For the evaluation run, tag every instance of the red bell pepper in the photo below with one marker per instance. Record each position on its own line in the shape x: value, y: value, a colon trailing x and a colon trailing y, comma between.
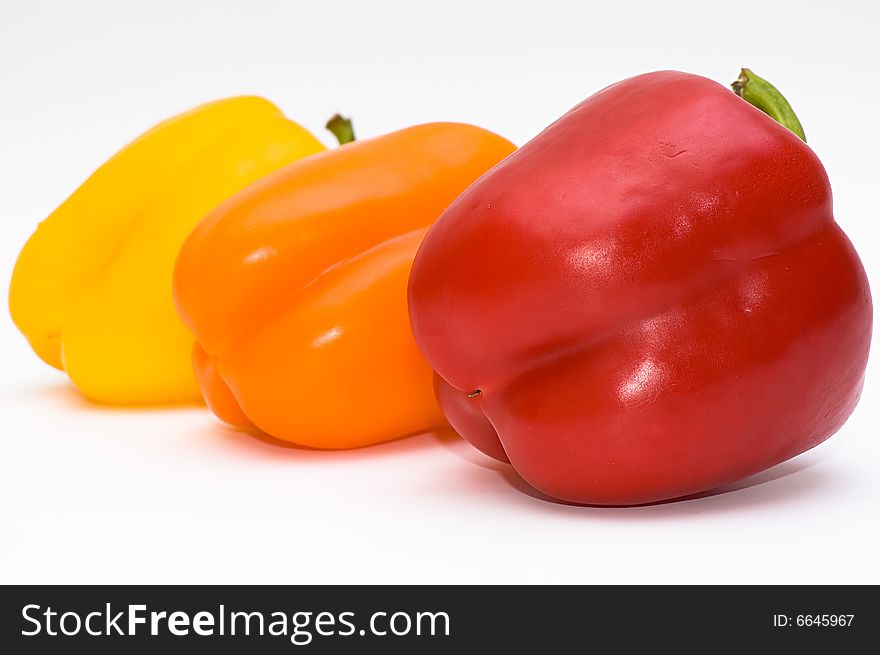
x: 648, y: 300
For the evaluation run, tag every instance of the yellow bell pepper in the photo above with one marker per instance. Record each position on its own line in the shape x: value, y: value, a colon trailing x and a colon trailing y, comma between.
x: 91, y: 289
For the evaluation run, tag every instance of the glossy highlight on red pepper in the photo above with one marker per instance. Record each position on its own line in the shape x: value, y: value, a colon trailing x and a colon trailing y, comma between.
x: 648, y: 300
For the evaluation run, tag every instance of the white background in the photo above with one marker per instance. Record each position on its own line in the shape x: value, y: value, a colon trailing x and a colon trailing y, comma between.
x: 96, y: 495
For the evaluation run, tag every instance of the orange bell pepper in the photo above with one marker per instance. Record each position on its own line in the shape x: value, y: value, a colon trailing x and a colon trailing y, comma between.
x: 296, y: 288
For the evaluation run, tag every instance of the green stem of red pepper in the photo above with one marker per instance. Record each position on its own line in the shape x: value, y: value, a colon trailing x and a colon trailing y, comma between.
x: 341, y: 128
x: 760, y: 93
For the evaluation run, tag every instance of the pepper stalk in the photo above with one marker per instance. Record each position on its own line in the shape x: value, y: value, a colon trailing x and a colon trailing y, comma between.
x: 342, y: 128
x: 759, y: 93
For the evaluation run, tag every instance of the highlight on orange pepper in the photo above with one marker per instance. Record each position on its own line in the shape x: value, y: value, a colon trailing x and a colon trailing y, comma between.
x: 296, y: 288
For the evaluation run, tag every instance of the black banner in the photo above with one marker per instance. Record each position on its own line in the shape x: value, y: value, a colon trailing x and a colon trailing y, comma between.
x: 340, y: 619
